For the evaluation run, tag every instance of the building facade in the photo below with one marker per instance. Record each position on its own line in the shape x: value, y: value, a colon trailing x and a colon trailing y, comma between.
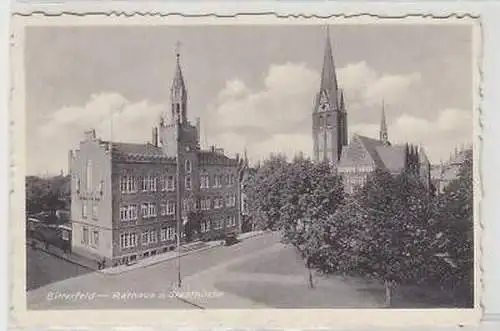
x: 127, y: 199
x: 329, y: 118
x: 364, y: 155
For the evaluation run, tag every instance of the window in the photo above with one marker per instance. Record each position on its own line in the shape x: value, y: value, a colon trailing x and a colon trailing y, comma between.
x: 77, y: 184
x: 205, y: 226
x: 170, y: 183
x: 123, y: 184
x: 152, y: 210
x: 205, y: 204
x: 144, y: 183
x: 231, y: 201
x: 170, y: 208
x: 145, y: 238
x: 230, y: 181
x: 84, y: 210
x: 217, y: 203
x: 128, y: 240
x: 170, y: 233
x: 163, y: 184
x: 144, y: 210
x: 217, y: 181
x: 163, y: 234
x: 85, y: 235
x: 204, y: 181
x: 187, y: 182
x: 218, y: 224
x: 163, y: 209
x: 231, y: 221
x: 95, y: 237
x: 133, y: 212
x: 187, y: 166
x: 94, y: 211
x: 89, y: 175
x: 152, y: 183
x: 153, y: 238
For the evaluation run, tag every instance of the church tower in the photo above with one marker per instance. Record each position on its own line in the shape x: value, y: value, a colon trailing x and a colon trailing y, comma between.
x: 175, y: 131
x: 329, y: 119
x: 383, y: 134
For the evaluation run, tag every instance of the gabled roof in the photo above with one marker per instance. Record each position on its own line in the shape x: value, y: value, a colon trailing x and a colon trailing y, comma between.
x: 391, y: 158
x: 207, y: 157
x: 132, y: 151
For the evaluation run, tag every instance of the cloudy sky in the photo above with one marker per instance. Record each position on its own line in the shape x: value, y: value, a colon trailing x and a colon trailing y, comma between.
x: 252, y: 86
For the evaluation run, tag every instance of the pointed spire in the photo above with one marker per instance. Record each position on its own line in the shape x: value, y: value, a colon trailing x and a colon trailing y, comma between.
x: 342, y: 103
x: 384, y: 137
x: 328, y: 75
x: 178, y: 82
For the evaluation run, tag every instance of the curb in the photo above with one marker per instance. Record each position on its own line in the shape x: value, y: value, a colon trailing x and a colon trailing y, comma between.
x: 160, y: 261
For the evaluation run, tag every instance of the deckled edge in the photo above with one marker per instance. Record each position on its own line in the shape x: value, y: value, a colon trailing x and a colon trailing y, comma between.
x: 478, y: 201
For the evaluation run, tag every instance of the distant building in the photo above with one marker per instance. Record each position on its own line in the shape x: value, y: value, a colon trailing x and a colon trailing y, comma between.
x: 125, y: 199
x: 356, y: 159
x: 445, y: 172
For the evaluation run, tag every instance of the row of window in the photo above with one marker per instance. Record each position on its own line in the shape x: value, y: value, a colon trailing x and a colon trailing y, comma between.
x: 351, y: 170
x: 128, y: 184
x: 130, y: 212
x: 218, y: 181
x: 217, y: 224
x: 90, y: 237
x: 129, y: 240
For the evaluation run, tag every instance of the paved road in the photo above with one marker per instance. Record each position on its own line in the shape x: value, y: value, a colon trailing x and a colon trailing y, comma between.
x: 148, y: 287
x: 43, y: 269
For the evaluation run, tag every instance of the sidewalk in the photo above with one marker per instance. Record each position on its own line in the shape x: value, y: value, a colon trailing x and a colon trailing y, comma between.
x: 193, y: 247
x: 59, y: 253
x: 198, y: 246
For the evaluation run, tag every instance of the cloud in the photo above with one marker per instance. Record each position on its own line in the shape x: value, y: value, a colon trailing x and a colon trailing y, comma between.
x: 278, y: 115
x: 64, y: 128
x: 439, y: 136
x: 363, y: 86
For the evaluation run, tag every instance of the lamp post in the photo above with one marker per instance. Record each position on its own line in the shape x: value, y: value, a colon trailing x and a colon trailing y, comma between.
x: 179, y: 204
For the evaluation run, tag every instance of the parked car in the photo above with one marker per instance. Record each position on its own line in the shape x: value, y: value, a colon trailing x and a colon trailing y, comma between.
x: 231, y: 239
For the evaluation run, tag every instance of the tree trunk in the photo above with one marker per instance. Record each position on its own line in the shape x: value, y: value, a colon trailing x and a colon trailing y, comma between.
x: 388, y: 293
x: 311, y: 282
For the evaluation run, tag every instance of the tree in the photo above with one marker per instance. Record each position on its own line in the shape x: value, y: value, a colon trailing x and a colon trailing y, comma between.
x: 456, y: 232
x: 264, y: 191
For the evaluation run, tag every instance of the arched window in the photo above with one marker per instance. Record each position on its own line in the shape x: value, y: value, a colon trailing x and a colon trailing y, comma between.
x: 89, y: 175
x: 187, y: 166
x: 188, y: 182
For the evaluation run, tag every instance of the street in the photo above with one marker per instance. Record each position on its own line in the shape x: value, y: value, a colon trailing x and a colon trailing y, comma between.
x: 43, y: 268
x: 259, y: 272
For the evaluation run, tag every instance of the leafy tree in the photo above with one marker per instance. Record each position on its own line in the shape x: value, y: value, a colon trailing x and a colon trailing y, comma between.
x: 264, y: 191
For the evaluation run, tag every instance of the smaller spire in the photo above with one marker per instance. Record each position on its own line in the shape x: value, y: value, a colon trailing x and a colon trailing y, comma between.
x: 384, y: 137
x: 342, y: 104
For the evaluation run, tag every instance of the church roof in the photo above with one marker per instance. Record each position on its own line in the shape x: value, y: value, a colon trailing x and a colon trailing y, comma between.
x: 328, y: 75
x: 178, y: 82
x: 211, y: 157
x: 391, y: 158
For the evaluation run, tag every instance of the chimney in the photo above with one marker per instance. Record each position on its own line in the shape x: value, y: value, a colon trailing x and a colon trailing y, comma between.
x: 154, y: 141
x: 90, y: 135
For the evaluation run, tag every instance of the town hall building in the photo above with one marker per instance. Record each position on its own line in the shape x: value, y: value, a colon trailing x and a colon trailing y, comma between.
x: 127, y: 199
x: 357, y: 158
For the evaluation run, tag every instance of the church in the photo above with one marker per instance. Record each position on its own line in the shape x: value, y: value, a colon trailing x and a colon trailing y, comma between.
x: 357, y: 158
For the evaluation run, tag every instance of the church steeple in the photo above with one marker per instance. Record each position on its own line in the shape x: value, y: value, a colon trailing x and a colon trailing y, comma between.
x: 328, y: 75
x: 178, y: 92
x: 384, y: 136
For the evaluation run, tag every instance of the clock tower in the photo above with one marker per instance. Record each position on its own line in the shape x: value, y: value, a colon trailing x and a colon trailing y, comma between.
x: 329, y: 118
